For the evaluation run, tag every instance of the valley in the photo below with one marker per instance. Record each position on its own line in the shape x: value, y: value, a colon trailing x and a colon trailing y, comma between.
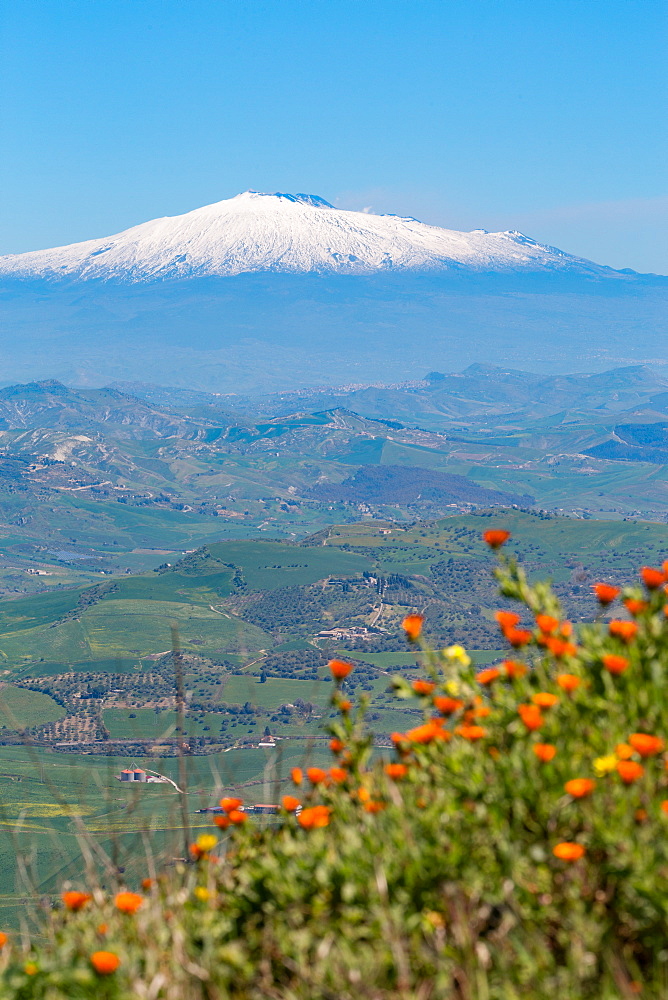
x: 273, y: 532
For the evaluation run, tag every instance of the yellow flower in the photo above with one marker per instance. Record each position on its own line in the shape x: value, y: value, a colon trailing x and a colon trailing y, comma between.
x: 458, y: 654
x: 206, y: 842
x: 452, y: 687
x: 605, y: 765
x: 202, y: 893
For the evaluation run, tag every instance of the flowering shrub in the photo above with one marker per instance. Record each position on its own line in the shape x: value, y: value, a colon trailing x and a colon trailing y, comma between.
x: 514, y: 844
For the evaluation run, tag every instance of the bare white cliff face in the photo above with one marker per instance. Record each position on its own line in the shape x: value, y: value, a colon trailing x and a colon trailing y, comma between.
x: 288, y: 233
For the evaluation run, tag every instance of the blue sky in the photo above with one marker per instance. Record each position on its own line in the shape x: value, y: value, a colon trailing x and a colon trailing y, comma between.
x: 541, y: 115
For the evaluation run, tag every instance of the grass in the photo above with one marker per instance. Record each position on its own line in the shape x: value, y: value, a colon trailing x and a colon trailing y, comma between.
x: 275, y: 691
x: 31, y: 612
x: 46, y: 796
x: 22, y: 708
x: 122, y: 628
x: 114, y: 665
x: 270, y: 565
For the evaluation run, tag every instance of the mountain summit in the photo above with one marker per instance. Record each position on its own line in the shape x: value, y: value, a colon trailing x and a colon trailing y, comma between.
x: 293, y: 233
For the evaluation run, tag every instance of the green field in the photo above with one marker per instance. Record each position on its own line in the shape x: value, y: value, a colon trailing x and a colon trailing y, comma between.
x: 147, y: 724
x: 20, y: 708
x: 269, y: 565
x: 120, y: 628
x: 51, y: 804
x: 275, y: 691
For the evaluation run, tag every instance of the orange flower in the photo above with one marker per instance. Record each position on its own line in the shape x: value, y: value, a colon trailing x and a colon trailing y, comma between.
x: 488, y: 676
x: 495, y: 537
x: 605, y: 593
x: 374, y: 806
x: 290, y: 803
x: 336, y: 745
x: 102, y: 929
x: 544, y: 751
x: 567, y: 851
x: 664, y: 806
x: 629, y: 771
x: 228, y: 805
x: 76, y: 900
x: 363, y: 794
x: 338, y: 774
x: 652, y: 578
x: 104, y: 962
x: 147, y: 883
x: 339, y: 669
x: 222, y: 821
x: 640, y: 816
x: 428, y: 732
x: 615, y: 664
x: 398, y: 738
x: 646, y: 745
x: 423, y: 687
x: 635, y: 607
x: 546, y: 623
x: 623, y: 751
x: 345, y: 705
x: 518, y: 637
x: 530, y: 716
x: 447, y: 706
x: 626, y: 631
x: 412, y: 625
x: 396, y: 771
x: 316, y: 775
x: 560, y: 647
x: 514, y: 669
x: 297, y: 775
x: 128, y: 902
x: 568, y: 682
x: 580, y: 788
x: 471, y: 733
x: 237, y: 817
x: 315, y: 817
x: 481, y: 712
x: 506, y: 619
x: 3, y: 939
x: 544, y: 699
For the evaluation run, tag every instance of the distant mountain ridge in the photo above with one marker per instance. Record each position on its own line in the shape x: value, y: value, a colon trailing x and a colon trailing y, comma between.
x: 256, y: 232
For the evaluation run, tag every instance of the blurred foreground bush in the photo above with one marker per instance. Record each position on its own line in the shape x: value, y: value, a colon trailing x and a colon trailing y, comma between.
x: 514, y: 846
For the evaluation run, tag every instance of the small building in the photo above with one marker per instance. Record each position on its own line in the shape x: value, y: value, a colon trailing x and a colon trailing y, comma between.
x: 133, y: 774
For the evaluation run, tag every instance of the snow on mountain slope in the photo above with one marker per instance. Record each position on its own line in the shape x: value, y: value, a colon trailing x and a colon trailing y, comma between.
x: 291, y: 233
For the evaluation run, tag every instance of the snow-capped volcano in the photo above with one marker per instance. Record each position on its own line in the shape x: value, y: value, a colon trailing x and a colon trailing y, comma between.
x: 288, y: 233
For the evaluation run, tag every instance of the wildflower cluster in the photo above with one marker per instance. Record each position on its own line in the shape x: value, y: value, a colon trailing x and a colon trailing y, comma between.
x: 512, y: 842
